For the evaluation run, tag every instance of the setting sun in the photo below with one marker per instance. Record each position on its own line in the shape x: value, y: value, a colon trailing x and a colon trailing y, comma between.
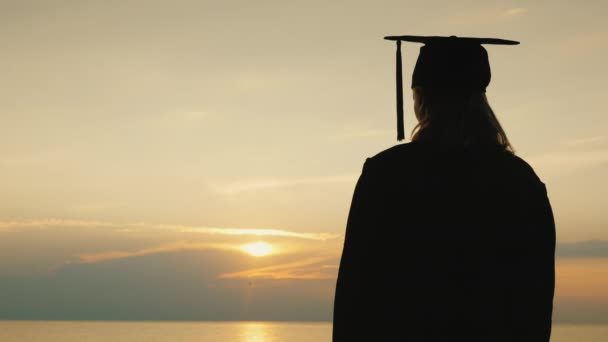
x: 257, y: 249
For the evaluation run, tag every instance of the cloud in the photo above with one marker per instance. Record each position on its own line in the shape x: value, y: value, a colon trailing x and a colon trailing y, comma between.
x: 369, y: 133
x: 312, y: 268
x: 45, y: 246
x: 584, y: 141
x: 583, y: 249
x: 180, y: 285
x: 566, y: 161
x: 363, y: 133
x: 261, y: 232
x: 163, y: 277
x: 168, y: 248
x: 137, y: 227
x: 358, y: 129
x: 273, y: 183
x: 482, y: 15
x: 515, y: 11
x: 16, y: 225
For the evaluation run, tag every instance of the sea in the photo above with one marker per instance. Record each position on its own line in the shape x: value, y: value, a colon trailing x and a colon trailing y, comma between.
x: 94, y: 331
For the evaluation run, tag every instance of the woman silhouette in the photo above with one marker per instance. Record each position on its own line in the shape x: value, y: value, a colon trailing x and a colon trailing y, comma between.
x: 449, y: 237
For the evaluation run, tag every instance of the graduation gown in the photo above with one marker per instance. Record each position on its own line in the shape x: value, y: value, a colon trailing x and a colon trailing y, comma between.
x: 446, y: 246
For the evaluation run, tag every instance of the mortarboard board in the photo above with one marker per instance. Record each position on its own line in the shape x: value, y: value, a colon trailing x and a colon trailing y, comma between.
x: 446, y: 63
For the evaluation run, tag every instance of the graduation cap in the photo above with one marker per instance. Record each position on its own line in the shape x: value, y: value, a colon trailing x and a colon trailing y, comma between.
x: 446, y: 63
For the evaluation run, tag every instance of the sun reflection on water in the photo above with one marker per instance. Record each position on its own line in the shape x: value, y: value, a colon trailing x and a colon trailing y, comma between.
x: 256, y: 332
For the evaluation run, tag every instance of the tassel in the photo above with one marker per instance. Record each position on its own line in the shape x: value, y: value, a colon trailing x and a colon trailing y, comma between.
x: 400, y: 129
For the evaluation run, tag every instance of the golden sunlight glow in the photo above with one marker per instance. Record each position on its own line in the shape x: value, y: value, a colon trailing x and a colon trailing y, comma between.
x: 257, y: 249
x: 255, y: 332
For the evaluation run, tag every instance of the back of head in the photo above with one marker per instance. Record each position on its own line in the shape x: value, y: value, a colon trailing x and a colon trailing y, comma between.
x: 457, y: 119
x: 449, y: 82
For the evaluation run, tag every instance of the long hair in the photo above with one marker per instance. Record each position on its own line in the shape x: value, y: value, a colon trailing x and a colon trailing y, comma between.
x: 457, y: 118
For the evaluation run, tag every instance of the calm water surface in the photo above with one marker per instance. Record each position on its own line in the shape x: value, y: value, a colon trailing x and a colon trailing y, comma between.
x: 35, y: 331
